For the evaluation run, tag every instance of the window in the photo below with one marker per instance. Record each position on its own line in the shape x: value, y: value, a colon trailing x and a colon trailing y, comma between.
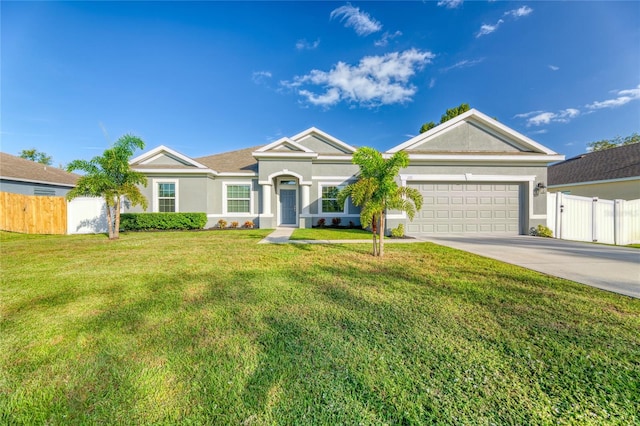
x: 166, y: 197
x: 330, y: 200
x: 238, y: 198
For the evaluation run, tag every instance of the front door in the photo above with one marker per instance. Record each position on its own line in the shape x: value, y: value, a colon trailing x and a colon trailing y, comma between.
x: 288, y: 207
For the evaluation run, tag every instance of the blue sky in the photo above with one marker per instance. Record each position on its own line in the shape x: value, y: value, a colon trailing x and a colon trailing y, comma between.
x: 208, y: 77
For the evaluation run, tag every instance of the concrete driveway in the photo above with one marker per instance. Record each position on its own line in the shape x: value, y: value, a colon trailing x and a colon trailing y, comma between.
x: 611, y: 268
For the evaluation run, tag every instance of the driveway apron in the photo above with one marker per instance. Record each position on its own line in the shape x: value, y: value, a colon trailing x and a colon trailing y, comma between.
x: 611, y: 268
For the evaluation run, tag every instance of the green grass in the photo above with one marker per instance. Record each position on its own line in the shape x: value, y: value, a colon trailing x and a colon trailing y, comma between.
x: 634, y: 246
x: 330, y: 234
x: 212, y: 328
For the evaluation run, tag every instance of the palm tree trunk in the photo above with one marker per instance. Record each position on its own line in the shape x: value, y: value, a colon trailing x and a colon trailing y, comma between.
x: 116, y: 213
x: 109, y: 219
x: 381, y: 250
x: 373, y: 232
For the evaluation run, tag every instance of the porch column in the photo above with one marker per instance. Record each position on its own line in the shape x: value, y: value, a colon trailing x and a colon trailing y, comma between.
x: 305, y: 198
x: 266, y: 198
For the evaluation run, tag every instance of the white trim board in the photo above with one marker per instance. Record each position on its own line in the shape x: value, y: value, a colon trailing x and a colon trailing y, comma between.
x: 595, y: 182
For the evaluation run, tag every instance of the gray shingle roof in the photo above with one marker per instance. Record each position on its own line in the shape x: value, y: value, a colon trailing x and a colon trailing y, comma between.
x: 240, y: 161
x: 613, y: 163
x: 16, y: 168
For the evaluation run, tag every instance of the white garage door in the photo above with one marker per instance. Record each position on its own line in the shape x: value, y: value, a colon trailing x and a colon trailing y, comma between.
x: 467, y: 208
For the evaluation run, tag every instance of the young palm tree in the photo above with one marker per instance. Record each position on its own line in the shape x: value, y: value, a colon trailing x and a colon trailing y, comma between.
x: 110, y: 177
x: 377, y: 191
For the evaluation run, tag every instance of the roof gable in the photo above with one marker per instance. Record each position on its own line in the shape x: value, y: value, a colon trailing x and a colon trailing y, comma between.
x: 164, y: 157
x: 285, y: 145
x: 614, y: 163
x: 472, y: 132
x: 308, y: 143
x: 16, y: 168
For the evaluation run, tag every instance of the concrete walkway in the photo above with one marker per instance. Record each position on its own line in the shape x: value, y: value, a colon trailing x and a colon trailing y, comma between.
x: 611, y: 268
x: 280, y: 236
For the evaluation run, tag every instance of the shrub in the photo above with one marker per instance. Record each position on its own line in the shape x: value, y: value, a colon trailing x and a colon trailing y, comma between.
x: 161, y: 221
x: 222, y: 224
x: 398, y: 232
x: 234, y: 224
x: 248, y: 224
x: 336, y: 221
x: 351, y: 224
x: 321, y: 223
x: 543, y: 231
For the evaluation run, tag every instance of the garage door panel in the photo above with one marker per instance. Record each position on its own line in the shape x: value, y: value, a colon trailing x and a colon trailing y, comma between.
x: 462, y: 207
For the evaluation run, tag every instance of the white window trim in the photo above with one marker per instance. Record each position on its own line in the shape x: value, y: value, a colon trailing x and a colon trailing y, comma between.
x: 224, y: 198
x: 339, y: 185
x: 156, y: 199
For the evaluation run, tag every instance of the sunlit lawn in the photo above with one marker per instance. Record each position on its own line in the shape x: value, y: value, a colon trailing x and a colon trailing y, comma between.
x: 212, y: 328
x: 331, y: 234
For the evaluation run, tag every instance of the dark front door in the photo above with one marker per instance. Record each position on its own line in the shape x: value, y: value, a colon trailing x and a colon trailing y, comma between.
x: 288, y: 207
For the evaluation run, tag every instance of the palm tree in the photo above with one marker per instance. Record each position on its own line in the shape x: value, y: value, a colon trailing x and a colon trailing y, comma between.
x: 110, y: 177
x: 377, y: 191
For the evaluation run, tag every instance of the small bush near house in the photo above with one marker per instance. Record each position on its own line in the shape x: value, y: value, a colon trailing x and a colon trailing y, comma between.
x: 222, y: 224
x: 398, y: 232
x: 351, y: 224
x: 249, y: 224
x: 234, y: 224
x: 321, y: 223
x: 336, y: 221
x: 161, y: 221
x: 543, y: 231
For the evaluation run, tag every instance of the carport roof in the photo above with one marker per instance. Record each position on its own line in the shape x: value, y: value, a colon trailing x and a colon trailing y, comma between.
x: 608, y: 164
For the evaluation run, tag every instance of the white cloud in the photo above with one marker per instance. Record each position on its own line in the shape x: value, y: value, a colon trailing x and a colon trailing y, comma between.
x: 624, y: 96
x: 553, y: 67
x: 539, y: 132
x: 375, y: 81
x: 260, y: 77
x: 450, y: 4
x: 514, y: 13
x: 432, y: 83
x: 361, y: 22
x: 538, y: 118
x: 519, y: 12
x: 386, y: 37
x: 527, y: 114
x: 488, y: 29
x: 463, y: 64
x: 307, y: 45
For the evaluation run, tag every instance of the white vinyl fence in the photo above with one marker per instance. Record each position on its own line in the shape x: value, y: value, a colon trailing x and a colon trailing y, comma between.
x: 571, y: 217
x: 86, y: 215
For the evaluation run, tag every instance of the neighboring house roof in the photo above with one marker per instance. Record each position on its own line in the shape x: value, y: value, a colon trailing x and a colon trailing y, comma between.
x: 19, y: 169
x: 609, y: 164
x: 232, y: 162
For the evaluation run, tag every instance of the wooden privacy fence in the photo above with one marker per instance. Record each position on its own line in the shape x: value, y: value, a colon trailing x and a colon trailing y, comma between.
x: 593, y: 219
x: 33, y: 214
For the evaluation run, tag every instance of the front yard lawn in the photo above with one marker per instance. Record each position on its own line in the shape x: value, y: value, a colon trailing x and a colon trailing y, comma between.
x: 331, y: 234
x: 212, y: 328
